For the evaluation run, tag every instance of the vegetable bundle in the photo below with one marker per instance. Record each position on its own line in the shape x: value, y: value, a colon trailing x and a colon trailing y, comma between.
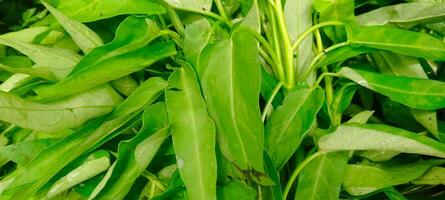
x: 223, y: 99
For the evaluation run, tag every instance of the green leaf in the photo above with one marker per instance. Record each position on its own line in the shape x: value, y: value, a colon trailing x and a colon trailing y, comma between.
x: 202, y: 5
x: 96, y: 163
x: 434, y: 176
x: 59, y: 61
x: 362, y: 179
x: 92, y: 10
x: 85, y: 139
x: 23, y: 152
x: 413, y: 92
x: 26, y: 35
x: 397, y: 40
x: 237, y: 190
x: 106, y: 70
x: 125, y: 85
x: 131, y: 34
x: 342, y: 100
x: 134, y: 155
x: 56, y: 116
x: 196, y: 37
x: 289, y: 124
x: 232, y: 98
x: 340, y: 54
x: 399, y: 65
x: 404, y: 14
x: 321, y: 178
x: 335, y: 10
x: 354, y: 136
x: 362, y: 117
x: 17, y: 66
x: 273, y: 192
x: 84, y: 37
x: 193, y: 134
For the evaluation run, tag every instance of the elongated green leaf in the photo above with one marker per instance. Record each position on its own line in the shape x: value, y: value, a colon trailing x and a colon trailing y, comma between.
x: 321, y: 178
x: 197, y: 35
x: 125, y: 85
x: 404, y: 14
x: 134, y: 155
x: 56, y: 116
x: 399, y: 65
x: 23, y: 152
x: 16, y: 81
x: 362, y: 179
x: 106, y: 70
x: 19, y: 65
x: 92, y: 10
x: 131, y: 34
x: 85, y: 139
x: 362, y: 117
x: 26, y: 35
x: 398, y: 41
x: 341, y: 54
x: 204, y: 5
x: 59, y: 61
x: 354, y: 136
x: 232, y: 98
x: 92, y: 167
x: 434, y: 176
x: 193, y: 134
x: 342, y: 100
x: 289, y: 124
x: 413, y: 92
x: 273, y: 192
x: 84, y: 37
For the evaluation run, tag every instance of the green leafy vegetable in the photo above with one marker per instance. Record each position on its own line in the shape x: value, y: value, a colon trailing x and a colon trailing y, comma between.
x: 194, y: 147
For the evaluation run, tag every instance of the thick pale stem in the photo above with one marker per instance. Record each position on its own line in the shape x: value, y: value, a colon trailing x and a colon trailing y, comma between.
x: 312, y: 29
x: 286, y: 44
x: 221, y: 10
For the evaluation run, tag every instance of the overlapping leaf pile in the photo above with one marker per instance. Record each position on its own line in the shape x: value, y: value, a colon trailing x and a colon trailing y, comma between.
x: 223, y: 99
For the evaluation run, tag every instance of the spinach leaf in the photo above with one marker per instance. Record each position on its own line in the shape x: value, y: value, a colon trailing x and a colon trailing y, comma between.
x: 134, y: 155
x: 289, y: 124
x: 91, y: 10
x: 354, y: 136
x: 56, y: 116
x: 232, y: 98
x: 413, y: 92
x: 84, y: 37
x: 362, y: 179
x: 193, y: 134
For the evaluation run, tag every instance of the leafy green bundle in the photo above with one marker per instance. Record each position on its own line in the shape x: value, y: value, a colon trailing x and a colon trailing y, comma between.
x: 223, y: 99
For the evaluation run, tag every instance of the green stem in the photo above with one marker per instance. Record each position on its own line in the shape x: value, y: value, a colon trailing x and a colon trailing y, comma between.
x: 264, y: 42
x: 328, y: 80
x: 321, y: 56
x: 312, y: 29
x: 269, y: 60
x: 322, y: 77
x: 297, y: 171
x: 277, y: 45
x: 221, y: 10
x: 271, y: 98
x: 171, y: 34
x: 208, y: 14
x: 176, y: 21
x: 286, y: 43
